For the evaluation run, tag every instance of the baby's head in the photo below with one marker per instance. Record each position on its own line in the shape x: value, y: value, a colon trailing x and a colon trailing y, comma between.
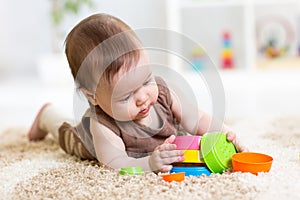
x: 110, y: 67
x: 100, y: 45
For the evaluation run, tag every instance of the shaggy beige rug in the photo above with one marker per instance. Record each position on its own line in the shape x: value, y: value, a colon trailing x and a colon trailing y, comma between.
x: 41, y: 170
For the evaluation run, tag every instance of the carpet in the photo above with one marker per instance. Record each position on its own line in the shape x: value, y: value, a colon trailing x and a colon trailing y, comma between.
x: 41, y: 170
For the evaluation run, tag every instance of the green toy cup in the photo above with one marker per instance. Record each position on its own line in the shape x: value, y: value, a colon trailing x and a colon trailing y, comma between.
x: 217, y: 151
x: 137, y: 170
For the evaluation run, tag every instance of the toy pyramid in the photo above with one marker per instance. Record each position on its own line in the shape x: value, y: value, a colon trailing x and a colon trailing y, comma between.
x: 193, y: 164
x: 226, y: 53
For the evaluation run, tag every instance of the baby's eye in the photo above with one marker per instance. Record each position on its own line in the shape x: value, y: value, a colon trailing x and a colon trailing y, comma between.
x: 148, y: 81
x: 126, y: 98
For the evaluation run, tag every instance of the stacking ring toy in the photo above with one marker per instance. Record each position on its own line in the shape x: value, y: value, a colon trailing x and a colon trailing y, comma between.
x: 217, y: 151
x: 131, y: 170
x: 187, y: 164
x: 191, y: 171
x: 174, y: 177
x: 192, y: 156
x: 187, y: 142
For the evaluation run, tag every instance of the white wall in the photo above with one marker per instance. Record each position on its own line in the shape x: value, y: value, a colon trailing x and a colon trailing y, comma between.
x: 26, y: 27
x: 25, y: 33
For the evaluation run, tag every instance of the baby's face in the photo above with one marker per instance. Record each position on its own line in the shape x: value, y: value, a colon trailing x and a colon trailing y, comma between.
x: 131, y: 94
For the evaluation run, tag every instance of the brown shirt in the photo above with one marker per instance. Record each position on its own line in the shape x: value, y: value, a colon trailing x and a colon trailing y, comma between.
x: 139, y: 140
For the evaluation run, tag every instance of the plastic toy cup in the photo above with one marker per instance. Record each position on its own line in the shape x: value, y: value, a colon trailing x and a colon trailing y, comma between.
x: 174, y: 177
x: 217, y: 151
x: 187, y: 142
x: 131, y: 170
x: 251, y: 162
x: 191, y: 171
x: 187, y: 164
x: 192, y: 156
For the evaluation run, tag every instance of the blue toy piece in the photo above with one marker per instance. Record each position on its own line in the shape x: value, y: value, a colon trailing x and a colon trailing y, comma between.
x: 191, y: 171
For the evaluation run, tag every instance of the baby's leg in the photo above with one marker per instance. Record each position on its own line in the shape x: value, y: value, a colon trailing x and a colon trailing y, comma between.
x: 48, y: 120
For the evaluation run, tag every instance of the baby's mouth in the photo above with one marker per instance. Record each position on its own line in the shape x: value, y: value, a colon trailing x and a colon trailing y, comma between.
x: 145, y: 111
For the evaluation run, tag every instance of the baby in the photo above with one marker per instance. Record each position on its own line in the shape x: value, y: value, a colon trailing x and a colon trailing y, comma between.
x: 133, y: 116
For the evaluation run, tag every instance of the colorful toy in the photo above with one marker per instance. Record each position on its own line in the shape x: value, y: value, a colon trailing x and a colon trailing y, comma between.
x: 251, y: 162
x: 187, y: 164
x: 216, y: 155
x: 272, y: 50
x: 197, y: 60
x: 137, y: 170
x: 275, y: 35
x: 192, y: 156
x: 226, y: 53
x: 217, y: 151
x: 187, y: 142
x: 191, y: 147
x: 174, y: 177
x: 191, y: 171
x: 193, y: 164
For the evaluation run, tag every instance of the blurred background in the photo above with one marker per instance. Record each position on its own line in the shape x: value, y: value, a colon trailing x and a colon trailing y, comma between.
x: 255, y: 45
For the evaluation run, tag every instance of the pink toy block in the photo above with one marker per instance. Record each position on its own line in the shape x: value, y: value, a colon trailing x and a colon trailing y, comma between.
x: 187, y: 142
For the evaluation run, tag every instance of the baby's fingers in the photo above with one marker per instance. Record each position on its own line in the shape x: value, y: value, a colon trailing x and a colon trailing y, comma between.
x: 170, y: 160
x: 239, y: 146
x: 166, y: 168
x: 167, y: 147
x: 170, y: 139
x: 230, y: 136
x: 168, y: 154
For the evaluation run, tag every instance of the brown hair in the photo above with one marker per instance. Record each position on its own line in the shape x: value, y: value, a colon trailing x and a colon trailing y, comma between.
x: 100, y: 45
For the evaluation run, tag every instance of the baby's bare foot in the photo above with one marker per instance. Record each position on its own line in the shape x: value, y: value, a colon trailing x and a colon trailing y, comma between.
x: 35, y: 133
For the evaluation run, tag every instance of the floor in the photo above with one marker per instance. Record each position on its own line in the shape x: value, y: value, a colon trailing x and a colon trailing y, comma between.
x: 22, y: 96
x: 266, y: 93
x: 247, y: 94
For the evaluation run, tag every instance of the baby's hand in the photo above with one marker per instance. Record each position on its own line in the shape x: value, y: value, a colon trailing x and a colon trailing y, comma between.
x: 164, y: 155
x: 231, y: 136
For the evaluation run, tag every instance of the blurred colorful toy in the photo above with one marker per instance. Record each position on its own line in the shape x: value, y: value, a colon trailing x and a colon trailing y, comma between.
x: 272, y: 50
x: 197, y: 60
x: 251, y: 162
x: 226, y: 52
x: 275, y: 35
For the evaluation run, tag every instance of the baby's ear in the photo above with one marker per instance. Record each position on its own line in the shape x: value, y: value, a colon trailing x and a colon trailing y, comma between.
x: 90, y: 96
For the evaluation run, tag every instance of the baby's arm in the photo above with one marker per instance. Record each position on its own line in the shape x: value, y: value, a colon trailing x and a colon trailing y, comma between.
x: 110, y: 151
x: 202, y: 122
x: 194, y: 120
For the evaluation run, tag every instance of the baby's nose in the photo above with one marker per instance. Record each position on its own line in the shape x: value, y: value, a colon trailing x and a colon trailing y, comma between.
x: 141, y: 97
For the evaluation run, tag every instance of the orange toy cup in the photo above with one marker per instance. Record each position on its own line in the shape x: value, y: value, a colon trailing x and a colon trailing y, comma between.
x: 174, y: 177
x: 251, y: 162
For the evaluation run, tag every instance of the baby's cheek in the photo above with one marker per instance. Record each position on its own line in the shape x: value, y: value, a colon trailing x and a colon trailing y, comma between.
x: 154, y: 92
x: 122, y: 112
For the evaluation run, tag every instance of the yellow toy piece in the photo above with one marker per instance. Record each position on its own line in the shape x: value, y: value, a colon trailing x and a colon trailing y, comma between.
x: 192, y: 156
